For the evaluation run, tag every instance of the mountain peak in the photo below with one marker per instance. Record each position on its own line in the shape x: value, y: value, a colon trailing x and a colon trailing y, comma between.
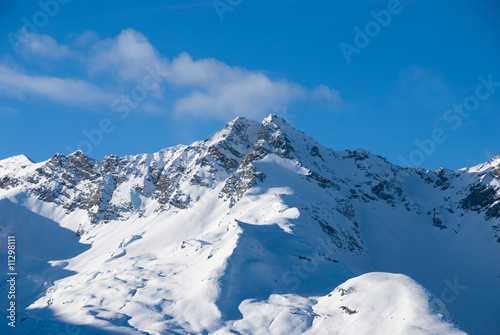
x: 14, y: 164
x: 19, y: 159
x: 78, y: 153
x: 492, y: 164
x: 254, y: 210
x: 495, y: 159
x: 238, y: 130
x: 275, y: 119
x: 240, y: 120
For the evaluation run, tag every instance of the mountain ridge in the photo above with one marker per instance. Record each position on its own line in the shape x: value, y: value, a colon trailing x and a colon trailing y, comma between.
x: 244, y: 214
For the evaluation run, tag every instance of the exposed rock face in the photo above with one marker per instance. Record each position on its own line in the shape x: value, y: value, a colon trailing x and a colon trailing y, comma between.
x: 480, y: 197
x: 118, y: 186
x: 257, y: 212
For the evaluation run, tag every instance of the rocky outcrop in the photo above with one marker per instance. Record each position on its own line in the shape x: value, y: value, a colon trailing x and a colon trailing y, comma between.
x: 227, y: 162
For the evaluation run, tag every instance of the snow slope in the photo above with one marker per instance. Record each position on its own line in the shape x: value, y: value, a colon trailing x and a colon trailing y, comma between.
x: 374, y: 303
x: 259, y: 230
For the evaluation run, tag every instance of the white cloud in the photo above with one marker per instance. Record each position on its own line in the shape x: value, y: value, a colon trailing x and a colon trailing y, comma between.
x: 223, y: 91
x: 329, y: 97
x: 44, y: 46
x: 204, y: 87
x: 201, y: 73
x: 59, y: 90
x: 128, y: 54
x: 87, y: 38
x: 210, y: 87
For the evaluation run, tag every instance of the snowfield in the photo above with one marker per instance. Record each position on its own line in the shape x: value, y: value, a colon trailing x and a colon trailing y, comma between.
x: 256, y: 230
x: 374, y: 303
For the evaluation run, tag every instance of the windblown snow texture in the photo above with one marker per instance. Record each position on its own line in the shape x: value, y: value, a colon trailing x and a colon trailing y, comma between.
x: 256, y: 230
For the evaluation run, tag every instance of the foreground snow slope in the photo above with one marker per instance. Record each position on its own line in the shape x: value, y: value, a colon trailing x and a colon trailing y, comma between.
x: 374, y: 303
x: 250, y: 231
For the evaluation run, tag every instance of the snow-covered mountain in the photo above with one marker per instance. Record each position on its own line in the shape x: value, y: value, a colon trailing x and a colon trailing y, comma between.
x: 256, y: 230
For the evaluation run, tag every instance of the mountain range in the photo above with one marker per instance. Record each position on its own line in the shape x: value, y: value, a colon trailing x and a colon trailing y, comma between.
x: 257, y: 229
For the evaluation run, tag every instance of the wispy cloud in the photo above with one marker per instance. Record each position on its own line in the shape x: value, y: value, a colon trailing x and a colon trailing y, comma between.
x: 426, y: 87
x: 58, y: 90
x: 222, y: 91
x: 9, y: 111
x: 204, y: 87
x: 126, y: 55
x: 45, y: 46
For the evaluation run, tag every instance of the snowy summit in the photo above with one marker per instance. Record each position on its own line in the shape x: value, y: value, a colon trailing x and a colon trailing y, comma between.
x: 257, y: 229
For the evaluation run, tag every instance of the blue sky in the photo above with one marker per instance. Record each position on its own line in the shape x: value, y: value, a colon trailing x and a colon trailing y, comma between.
x: 417, y: 82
